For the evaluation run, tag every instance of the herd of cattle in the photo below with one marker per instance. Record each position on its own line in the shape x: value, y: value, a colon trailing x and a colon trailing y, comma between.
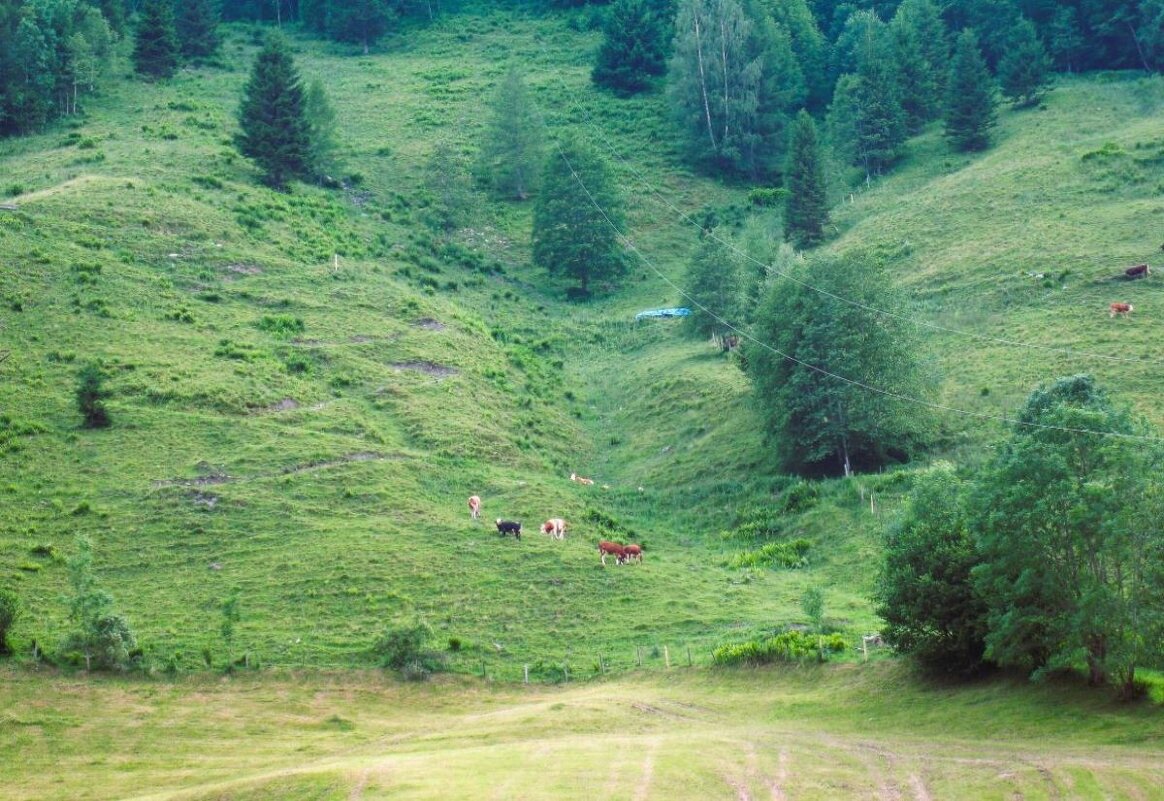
x: 556, y: 527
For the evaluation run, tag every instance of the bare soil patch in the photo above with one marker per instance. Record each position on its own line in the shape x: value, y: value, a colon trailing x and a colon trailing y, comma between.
x: 430, y: 368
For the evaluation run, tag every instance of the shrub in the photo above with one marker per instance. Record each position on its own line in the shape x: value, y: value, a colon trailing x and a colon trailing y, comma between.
x: 283, y: 324
x: 9, y: 611
x: 791, y: 646
x: 402, y: 648
x: 791, y: 554
x: 91, y: 394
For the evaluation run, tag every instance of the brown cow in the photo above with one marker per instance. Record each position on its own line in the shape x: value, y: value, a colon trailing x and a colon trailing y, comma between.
x: 634, y: 553
x: 555, y: 527
x: 474, y: 507
x: 580, y: 480
x: 1120, y: 308
x: 607, y: 548
x: 1139, y: 271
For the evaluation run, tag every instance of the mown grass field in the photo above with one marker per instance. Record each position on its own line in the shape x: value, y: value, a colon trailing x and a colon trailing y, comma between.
x: 307, y: 387
x: 867, y: 732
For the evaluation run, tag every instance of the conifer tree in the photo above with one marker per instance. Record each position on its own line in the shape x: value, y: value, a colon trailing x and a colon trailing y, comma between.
x: 1024, y: 70
x: 634, y: 47
x: 806, y: 209
x: 155, y: 48
x: 275, y: 130
x: 922, y: 51
x: 511, y: 152
x: 578, y: 214
x: 321, y: 124
x: 197, y: 26
x: 970, y: 96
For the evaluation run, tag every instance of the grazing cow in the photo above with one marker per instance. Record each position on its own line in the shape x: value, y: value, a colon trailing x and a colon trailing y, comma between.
x: 634, y: 553
x: 1120, y: 308
x: 1139, y: 271
x: 555, y: 527
x: 729, y: 343
x: 607, y: 548
x: 509, y: 527
x: 474, y: 507
x: 580, y: 480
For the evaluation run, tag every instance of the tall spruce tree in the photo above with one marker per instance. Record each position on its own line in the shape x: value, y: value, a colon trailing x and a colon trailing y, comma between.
x: 970, y: 96
x: 806, y: 209
x: 634, y: 47
x: 922, y: 51
x: 197, y: 26
x: 155, y: 45
x: 321, y: 124
x: 576, y: 216
x: 1024, y: 69
x: 275, y: 129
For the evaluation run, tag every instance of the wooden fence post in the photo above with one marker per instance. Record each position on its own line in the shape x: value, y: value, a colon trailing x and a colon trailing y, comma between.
x: 689, y: 662
x: 527, y: 674
x: 667, y: 656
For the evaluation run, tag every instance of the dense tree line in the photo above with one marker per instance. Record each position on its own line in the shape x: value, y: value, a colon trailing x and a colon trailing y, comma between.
x: 52, y: 53
x: 1047, y: 558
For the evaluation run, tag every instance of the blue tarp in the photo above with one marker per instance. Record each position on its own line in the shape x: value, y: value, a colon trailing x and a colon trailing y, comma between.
x: 680, y: 312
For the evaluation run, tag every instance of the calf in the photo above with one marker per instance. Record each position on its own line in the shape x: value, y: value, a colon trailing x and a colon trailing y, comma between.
x: 509, y: 527
x: 555, y: 527
x: 580, y: 480
x: 607, y: 548
x: 474, y: 507
x: 633, y: 553
x: 1120, y: 308
x: 1139, y: 271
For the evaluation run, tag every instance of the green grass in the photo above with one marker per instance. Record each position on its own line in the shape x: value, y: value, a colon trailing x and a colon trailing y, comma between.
x: 307, y: 387
x: 861, y: 731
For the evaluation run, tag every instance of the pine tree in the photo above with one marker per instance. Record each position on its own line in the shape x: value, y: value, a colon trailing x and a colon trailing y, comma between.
x: 1024, y: 70
x: 970, y: 96
x: 321, y: 124
x: 1064, y: 39
x: 155, y: 48
x: 634, y: 47
x: 806, y: 209
x: 197, y: 26
x: 922, y: 52
x: 511, y: 151
x: 275, y: 129
x: 577, y: 217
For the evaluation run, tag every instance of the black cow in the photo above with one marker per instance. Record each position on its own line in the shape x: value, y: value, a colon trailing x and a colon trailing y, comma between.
x: 509, y: 527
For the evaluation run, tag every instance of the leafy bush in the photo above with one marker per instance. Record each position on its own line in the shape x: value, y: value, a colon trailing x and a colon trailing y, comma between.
x: 791, y: 554
x: 791, y: 646
x: 800, y: 497
x: 283, y: 324
x: 402, y: 648
x: 9, y: 612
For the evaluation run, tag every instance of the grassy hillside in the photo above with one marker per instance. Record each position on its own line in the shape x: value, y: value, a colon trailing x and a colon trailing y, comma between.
x: 306, y: 387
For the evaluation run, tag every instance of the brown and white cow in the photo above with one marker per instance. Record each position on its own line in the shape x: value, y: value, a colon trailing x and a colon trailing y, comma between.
x: 1139, y: 271
x: 580, y: 479
x: 474, y: 507
x: 608, y: 548
x: 633, y: 553
x: 555, y: 527
x: 1120, y: 308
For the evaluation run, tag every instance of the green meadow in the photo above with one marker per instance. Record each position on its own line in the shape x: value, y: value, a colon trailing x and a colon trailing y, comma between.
x: 306, y: 387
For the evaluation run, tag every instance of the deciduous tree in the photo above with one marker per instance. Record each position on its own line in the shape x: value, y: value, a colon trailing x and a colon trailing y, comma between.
x: 577, y: 217
x: 511, y: 150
